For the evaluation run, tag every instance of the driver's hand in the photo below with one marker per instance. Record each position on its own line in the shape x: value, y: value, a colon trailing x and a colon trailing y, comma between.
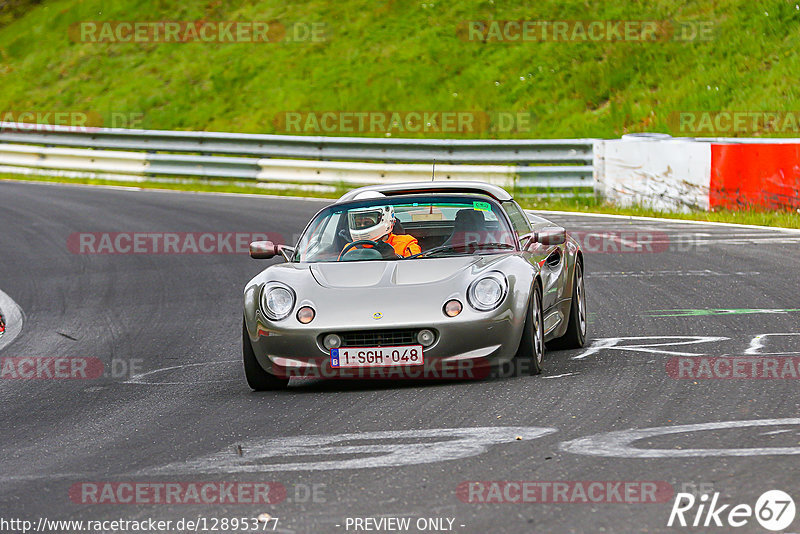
x: 386, y: 250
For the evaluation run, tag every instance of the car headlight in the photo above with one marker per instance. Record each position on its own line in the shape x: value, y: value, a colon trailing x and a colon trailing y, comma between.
x: 277, y: 301
x: 332, y: 341
x: 488, y: 292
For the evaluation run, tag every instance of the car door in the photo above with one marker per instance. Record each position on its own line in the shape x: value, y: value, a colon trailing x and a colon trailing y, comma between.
x: 549, y: 257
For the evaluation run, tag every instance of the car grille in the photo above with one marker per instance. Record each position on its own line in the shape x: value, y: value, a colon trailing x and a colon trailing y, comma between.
x: 378, y: 338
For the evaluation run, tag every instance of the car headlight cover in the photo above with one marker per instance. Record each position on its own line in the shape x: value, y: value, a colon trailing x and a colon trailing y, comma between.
x: 487, y: 293
x: 277, y: 301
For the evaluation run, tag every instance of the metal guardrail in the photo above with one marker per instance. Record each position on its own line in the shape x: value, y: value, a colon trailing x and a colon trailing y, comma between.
x: 526, y: 163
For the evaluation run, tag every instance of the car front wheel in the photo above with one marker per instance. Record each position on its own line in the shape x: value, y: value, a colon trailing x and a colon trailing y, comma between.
x: 531, y: 347
x: 257, y: 378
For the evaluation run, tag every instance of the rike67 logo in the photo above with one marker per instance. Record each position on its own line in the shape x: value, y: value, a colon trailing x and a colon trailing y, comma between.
x: 774, y: 510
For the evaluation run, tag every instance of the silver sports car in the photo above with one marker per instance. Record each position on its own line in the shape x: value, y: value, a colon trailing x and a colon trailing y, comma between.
x: 415, y: 280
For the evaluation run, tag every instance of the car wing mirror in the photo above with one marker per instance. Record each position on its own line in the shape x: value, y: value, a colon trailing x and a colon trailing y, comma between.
x: 263, y: 250
x: 552, y: 235
x: 286, y: 252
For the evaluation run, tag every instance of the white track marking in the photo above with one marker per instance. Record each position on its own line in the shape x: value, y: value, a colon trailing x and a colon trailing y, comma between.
x: 47, y: 476
x: 774, y: 432
x: 757, y: 343
x: 665, y: 220
x: 679, y: 240
x: 560, y: 376
x: 625, y: 242
x: 620, y: 444
x: 643, y: 274
x: 748, y: 241
x: 138, y: 379
x: 613, y: 343
x: 13, y: 316
x: 433, y: 445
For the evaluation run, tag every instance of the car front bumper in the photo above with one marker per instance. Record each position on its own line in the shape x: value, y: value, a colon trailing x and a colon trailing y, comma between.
x: 466, y: 346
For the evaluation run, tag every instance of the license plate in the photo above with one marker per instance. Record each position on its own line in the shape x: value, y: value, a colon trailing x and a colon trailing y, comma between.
x: 377, y: 356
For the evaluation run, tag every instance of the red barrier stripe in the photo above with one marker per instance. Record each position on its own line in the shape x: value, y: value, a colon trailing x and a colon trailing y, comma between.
x: 755, y: 175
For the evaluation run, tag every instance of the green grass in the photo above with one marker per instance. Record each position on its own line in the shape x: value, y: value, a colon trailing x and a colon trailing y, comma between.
x: 385, y: 55
x: 579, y: 201
x: 401, y: 55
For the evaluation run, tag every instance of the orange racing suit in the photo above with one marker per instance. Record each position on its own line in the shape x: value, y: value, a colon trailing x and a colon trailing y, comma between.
x: 404, y: 245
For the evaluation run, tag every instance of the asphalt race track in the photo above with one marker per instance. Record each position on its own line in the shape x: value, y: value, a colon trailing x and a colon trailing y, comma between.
x: 171, y: 404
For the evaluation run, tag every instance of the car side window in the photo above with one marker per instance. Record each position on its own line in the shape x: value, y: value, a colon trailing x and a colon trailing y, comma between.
x: 518, y: 218
x: 322, y: 237
x: 328, y: 236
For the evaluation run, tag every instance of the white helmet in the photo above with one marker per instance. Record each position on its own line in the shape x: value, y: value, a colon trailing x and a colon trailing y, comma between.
x: 370, y: 223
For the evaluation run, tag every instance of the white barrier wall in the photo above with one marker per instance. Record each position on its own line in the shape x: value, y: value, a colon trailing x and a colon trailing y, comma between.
x: 658, y: 171
x: 303, y: 171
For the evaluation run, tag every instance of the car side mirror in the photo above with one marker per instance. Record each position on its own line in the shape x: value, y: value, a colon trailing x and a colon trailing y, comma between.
x: 552, y: 235
x: 264, y: 250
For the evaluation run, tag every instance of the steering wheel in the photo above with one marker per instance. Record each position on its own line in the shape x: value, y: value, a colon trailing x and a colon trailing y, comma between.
x: 385, y: 249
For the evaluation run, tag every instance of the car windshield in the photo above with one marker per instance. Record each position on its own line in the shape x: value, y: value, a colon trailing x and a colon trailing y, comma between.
x: 406, y: 228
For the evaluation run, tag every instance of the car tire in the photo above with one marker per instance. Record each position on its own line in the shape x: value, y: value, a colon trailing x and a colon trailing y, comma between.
x: 257, y: 378
x: 575, y: 336
x: 531, y: 347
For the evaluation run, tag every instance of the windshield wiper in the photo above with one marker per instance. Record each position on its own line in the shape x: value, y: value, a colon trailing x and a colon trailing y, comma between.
x: 453, y: 248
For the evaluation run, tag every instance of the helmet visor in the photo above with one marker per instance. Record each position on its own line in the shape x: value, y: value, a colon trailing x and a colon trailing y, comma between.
x: 361, y: 220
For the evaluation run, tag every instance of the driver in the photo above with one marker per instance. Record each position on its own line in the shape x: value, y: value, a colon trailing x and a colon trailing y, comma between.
x: 375, y: 223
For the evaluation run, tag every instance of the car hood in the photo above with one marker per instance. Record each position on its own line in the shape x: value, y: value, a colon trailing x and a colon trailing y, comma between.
x: 395, y: 273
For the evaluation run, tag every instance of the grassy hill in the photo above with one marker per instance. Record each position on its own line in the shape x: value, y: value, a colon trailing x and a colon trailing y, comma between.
x: 385, y: 56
